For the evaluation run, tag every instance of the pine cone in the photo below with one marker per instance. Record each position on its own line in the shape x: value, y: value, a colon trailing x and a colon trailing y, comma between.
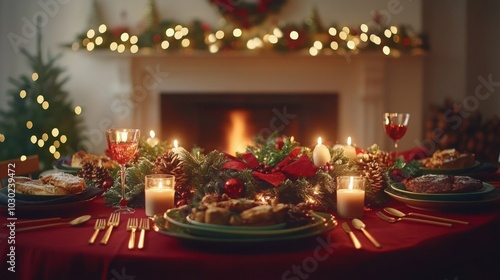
x: 375, y: 173
x: 381, y: 157
x: 170, y: 163
x: 87, y: 171
x: 100, y: 175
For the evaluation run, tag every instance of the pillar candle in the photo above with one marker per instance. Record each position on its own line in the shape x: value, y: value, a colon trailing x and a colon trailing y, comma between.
x: 159, y: 193
x: 321, y: 154
x: 350, y: 196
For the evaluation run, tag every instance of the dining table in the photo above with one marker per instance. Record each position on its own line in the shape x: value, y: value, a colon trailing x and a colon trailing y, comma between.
x: 408, y: 250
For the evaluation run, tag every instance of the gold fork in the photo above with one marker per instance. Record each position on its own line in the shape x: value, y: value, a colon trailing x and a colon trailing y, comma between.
x: 113, y: 221
x: 143, y: 226
x: 99, y: 224
x: 132, y: 226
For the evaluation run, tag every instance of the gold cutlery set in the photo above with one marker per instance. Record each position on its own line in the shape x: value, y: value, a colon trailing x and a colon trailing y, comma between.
x: 133, y: 225
x: 396, y: 217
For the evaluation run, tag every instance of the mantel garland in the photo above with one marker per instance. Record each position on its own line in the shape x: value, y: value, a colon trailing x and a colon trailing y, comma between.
x: 311, y: 36
x: 276, y: 167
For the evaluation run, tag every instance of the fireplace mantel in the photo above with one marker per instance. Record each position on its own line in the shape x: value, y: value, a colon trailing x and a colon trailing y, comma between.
x: 367, y: 84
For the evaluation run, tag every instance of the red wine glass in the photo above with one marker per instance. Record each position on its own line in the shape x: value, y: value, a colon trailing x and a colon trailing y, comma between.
x: 395, y: 125
x: 122, y: 144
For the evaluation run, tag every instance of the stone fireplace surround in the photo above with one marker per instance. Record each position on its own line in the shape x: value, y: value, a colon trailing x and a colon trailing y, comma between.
x: 366, y: 84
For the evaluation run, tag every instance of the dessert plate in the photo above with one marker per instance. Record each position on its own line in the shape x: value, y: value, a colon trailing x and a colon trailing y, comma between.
x: 476, y: 195
x: 444, y: 205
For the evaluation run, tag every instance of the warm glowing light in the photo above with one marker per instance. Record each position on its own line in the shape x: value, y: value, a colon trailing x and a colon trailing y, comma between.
x: 85, y: 41
x: 52, y: 149
x: 213, y: 48
x: 178, y: 27
x: 40, y: 143
x: 22, y: 93
x: 113, y: 46
x: 134, y: 49
x: 320, y: 141
x: 349, y: 141
x: 75, y: 46
x: 152, y: 133
x: 375, y: 39
x: 63, y: 138
x: 124, y: 37
x: 211, y: 38
x: 29, y: 124
x: 55, y: 132
x: 134, y: 39
x: 33, y: 139
x: 394, y: 29
x: 185, y: 42
x: 332, y: 31
x: 90, y: 46
x: 121, y: 48
x: 45, y: 105
x: 364, y: 27
x: 386, y: 50
x: 184, y: 31
x: 170, y: 32
x: 318, y: 45
x: 176, y: 144
x: 103, y: 28
x: 57, y: 144
x: 40, y: 99
x: 342, y: 35
x: 313, y: 51
x: 165, y: 44
x: 23, y: 158
x: 351, y: 183
x: 277, y: 32
x: 219, y: 34
x: 45, y: 137
x: 346, y: 29
x: 351, y: 45
x: 237, y: 135
x: 363, y: 37
x: 237, y: 32
x: 99, y: 40
x: 57, y: 155
x: 178, y: 35
x: 78, y: 110
x: 273, y: 39
x: 90, y: 33
x: 294, y: 35
x: 2, y: 137
x: 334, y: 45
x: 34, y: 76
x: 387, y: 33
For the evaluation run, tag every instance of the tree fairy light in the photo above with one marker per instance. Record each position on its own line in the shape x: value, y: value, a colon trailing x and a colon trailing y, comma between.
x: 45, y: 105
x: 2, y: 137
x: 34, y: 76
x: 22, y: 93
x: 55, y: 132
x: 78, y: 110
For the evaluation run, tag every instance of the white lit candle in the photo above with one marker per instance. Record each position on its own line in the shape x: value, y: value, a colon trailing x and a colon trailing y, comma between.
x: 349, y: 150
x: 152, y: 140
x: 350, y: 196
x: 176, y: 149
x: 159, y: 193
x: 321, y: 154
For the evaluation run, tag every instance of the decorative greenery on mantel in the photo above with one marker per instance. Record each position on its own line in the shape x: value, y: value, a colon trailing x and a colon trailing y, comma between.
x: 245, y: 34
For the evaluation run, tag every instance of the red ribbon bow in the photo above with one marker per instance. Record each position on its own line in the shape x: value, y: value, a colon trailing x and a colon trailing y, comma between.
x: 287, y: 168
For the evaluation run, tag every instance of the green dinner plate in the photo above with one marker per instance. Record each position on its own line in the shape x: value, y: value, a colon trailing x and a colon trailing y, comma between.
x: 444, y: 205
x: 466, y: 196
x: 449, y: 171
x: 247, y: 228
x: 175, y: 217
x: 179, y: 231
x: 29, y: 197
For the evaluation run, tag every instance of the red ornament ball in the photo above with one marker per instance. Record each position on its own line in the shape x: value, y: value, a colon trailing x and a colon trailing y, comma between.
x: 279, y: 143
x: 233, y: 188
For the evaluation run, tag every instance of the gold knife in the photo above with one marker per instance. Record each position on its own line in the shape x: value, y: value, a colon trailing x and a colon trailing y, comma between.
x: 354, y: 239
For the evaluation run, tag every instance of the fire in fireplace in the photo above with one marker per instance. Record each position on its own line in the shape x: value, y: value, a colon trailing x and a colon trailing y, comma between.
x: 228, y: 122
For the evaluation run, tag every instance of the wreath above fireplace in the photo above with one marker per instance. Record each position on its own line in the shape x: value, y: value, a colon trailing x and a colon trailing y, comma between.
x: 248, y: 13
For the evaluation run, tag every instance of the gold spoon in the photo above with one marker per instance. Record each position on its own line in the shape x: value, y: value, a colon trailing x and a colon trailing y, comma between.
x: 74, y: 222
x: 400, y: 214
x: 357, y: 223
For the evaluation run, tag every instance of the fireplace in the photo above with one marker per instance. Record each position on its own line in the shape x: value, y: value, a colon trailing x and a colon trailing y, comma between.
x: 229, y: 85
x: 228, y: 122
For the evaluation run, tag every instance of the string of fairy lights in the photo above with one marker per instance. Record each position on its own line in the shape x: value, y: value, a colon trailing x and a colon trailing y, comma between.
x: 44, y: 139
x: 389, y: 40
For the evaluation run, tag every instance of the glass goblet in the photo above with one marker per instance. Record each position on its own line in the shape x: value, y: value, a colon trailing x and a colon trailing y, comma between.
x: 396, y: 125
x: 122, y: 144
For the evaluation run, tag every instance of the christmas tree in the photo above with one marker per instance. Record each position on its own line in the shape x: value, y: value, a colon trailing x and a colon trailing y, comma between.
x: 39, y: 117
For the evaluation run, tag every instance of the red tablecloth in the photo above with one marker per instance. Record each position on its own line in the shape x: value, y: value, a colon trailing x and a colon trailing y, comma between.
x: 410, y: 251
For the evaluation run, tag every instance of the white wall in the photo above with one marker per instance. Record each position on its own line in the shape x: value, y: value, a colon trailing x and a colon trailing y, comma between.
x: 92, y: 78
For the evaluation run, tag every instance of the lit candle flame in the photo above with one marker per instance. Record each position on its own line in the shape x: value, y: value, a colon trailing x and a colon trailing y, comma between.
x: 351, y: 183
x: 319, y: 141
x: 152, y: 133
x: 160, y: 185
x: 349, y: 141
x: 176, y: 143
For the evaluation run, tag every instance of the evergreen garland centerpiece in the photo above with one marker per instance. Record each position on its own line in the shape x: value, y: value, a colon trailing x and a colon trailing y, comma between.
x: 39, y: 117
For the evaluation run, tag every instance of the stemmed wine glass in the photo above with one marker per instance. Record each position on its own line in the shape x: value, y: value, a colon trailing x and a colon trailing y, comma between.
x: 395, y: 125
x: 122, y: 144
